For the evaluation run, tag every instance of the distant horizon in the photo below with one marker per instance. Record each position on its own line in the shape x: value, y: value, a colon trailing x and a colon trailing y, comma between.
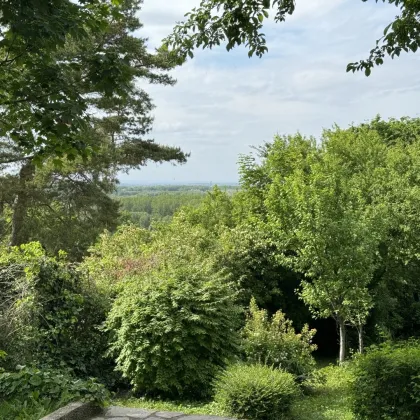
x: 158, y: 183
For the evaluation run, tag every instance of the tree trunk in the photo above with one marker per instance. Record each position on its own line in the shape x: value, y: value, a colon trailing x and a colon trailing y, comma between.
x: 342, y: 328
x: 20, y: 206
x: 360, y: 331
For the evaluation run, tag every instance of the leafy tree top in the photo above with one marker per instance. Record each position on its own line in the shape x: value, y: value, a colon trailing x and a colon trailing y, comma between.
x: 73, y: 60
x: 239, y: 22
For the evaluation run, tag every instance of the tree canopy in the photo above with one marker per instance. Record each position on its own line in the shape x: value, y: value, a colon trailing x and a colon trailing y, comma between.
x: 237, y: 22
x: 335, y: 214
x: 63, y: 61
x: 81, y: 162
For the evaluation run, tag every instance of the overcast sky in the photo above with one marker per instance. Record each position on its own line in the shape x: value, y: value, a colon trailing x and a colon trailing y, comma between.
x: 225, y: 102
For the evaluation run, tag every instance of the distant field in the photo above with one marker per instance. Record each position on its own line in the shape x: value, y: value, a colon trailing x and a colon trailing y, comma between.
x: 144, y: 204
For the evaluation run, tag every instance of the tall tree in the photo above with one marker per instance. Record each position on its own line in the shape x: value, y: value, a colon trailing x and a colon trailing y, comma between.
x: 239, y: 22
x: 117, y: 135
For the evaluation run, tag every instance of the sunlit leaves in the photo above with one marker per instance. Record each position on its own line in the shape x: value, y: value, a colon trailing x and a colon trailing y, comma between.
x: 240, y: 22
x: 401, y: 35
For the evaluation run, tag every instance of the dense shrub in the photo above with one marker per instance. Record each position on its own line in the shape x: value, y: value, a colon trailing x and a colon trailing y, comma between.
x: 50, y: 314
x: 174, y: 328
x: 49, y: 384
x: 116, y: 256
x: 69, y: 315
x: 17, y: 278
x: 387, y: 383
x: 256, y: 392
x: 274, y: 342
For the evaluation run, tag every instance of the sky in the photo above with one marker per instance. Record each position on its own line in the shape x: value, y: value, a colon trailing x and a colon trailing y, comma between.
x: 224, y: 102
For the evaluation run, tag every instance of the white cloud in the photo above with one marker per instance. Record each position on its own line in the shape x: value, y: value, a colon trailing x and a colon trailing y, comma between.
x: 224, y: 102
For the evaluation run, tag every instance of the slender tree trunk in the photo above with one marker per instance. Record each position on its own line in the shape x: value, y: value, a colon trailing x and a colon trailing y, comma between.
x: 342, y: 328
x: 360, y: 331
x: 20, y: 205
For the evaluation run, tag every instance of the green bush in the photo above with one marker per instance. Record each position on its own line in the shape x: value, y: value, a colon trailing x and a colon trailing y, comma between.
x: 174, y: 328
x: 256, y: 392
x: 50, y: 314
x: 274, y: 342
x: 69, y: 316
x: 387, y: 383
x: 30, y: 383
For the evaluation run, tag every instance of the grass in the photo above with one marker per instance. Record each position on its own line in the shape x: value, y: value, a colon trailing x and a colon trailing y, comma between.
x: 328, y: 400
x: 209, y: 408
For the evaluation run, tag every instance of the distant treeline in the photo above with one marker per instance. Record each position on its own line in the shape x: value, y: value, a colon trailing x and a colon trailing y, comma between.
x: 144, y: 204
x: 128, y: 190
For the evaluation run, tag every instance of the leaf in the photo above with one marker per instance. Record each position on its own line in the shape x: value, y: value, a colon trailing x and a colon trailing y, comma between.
x: 35, y: 380
x: 367, y: 71
x: 387, y: 28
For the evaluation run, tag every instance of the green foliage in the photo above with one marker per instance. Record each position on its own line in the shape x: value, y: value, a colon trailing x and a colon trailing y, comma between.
x: 81, y: 154
x: 18, y: 271
x: 117, y: 256
x: 330, y: 397
x: 130, y: 190
x: 29, y: 409
x: 143, y: 209
x: 273, y: 342
x: 401, y: 35
x: 42, y: 101
x: 237, y: 22
x: 387, y: 383
x: 249, y: 258
x: 256, y: 392
x: 146, y: 205
x: 242, y: 249
x: 328, y: 221
x: 45, y: 201
x: 69, y: 316
x: 51, y: 314
x: 49, y: 384
x: 214, y: 213
x: 204, y: 407
x: 174, y: 328
x: 344, y: 214
x: 78, y: 56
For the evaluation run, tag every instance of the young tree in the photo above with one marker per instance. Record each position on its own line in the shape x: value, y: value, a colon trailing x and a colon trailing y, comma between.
x: 326, y: 220
x: 239, y: 22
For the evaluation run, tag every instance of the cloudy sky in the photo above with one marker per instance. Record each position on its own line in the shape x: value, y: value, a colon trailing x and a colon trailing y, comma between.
x: 225, y: 102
